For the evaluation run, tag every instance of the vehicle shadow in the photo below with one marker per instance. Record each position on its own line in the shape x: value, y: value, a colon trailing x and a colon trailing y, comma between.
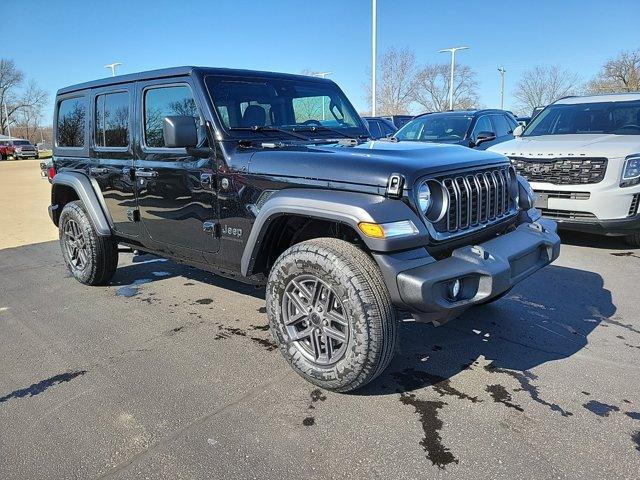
x: 148, y: 268
x: 546, y: 318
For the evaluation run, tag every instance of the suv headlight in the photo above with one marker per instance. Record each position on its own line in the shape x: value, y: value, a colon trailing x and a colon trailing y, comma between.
x: 526, y: 195
x: 424, y: 197
x: 631, y: 171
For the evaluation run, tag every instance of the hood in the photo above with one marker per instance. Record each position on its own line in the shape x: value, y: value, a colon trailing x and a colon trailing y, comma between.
x: 592, y: 145
x: 370, y: 163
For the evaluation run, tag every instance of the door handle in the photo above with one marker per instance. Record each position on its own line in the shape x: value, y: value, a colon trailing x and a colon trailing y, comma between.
x: 146, y: 173
x: 98, y: 170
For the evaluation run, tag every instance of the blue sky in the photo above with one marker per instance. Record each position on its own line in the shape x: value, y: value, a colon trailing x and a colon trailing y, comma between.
x: 73, y: 40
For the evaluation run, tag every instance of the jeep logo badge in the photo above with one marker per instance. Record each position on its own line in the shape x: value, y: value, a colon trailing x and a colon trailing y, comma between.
x: 233, y: 232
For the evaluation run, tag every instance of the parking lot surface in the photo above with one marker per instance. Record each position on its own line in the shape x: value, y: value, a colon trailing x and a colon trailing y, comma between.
x: 170, y: 372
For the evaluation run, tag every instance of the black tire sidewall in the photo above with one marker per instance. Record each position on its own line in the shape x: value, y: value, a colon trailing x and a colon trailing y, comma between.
x: 358, y: 360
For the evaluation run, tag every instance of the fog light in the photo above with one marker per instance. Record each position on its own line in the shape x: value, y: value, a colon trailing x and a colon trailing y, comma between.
x: 454, y: 289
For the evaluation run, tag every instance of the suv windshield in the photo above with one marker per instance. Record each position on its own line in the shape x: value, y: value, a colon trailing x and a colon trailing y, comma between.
x: 21, y: 142
x: 435, y: 128
x: 258, y: 106
x: 617, y: 118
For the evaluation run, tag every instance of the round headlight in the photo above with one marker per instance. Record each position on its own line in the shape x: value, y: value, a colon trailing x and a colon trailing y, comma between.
x: 424, y: 197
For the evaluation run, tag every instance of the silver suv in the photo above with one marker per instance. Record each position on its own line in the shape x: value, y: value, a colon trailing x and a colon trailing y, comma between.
x: 582, y: 157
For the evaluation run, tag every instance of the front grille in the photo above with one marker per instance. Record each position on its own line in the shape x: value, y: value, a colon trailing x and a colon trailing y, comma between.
x: 565, y: 195
x: 477, y: 198
x: 566, y: 214
x: 561, y: 171
x: 635, y: 202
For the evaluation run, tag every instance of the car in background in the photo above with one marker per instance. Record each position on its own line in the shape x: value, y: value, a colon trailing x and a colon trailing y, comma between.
x: 6, y: 149
x: 582, y: 157
x: 536, y: 111
x: 21, y: 148
x: 399, y: 121
x: 523, y: 120
x: 478, y: 129
x: 380, y: 127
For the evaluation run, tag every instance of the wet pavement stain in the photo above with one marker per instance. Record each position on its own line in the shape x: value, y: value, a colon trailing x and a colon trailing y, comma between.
x: 37, y: 388
x: 501, y: 395
x: 131, y: 290
x: 262, y: 310
x: 173, y: 331
x: 308, y: 421
x: 437, y: 453
x: 188, y: 284
x: 525, y: 378
x: 600, y: 409
x: 227, y: 332
x: 625, y: 254
x: 636, y: 438
x: 633, y: 415
x: 204, y: 301
x: 411, y: 379
x: 262, y: 328
x: 315, y: 396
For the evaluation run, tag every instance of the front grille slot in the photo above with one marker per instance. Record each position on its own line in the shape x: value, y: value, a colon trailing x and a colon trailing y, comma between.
x: 562, y: 171
x: 476, y: 199
x: 565, y: 195
x: 567, y: 214
x: 635, y: 202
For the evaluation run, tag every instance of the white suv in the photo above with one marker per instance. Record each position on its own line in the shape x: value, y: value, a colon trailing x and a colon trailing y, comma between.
x: 582, y: 157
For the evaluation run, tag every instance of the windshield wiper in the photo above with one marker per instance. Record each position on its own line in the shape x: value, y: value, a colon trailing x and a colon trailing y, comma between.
x: 315, y: 128
x: 269, y: 128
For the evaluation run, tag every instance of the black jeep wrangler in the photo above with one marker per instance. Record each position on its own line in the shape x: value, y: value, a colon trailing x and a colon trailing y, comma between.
x: 271, y: 179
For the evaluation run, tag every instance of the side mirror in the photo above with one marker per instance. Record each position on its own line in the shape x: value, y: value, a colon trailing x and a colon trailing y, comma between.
x: 517, y: 132
x: 484, y: 137
x: 180, y: 131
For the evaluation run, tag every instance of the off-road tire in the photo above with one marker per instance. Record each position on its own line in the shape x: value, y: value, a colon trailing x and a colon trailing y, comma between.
x: 633, y: 240
x: 101, y: 252
x: 357, y: 282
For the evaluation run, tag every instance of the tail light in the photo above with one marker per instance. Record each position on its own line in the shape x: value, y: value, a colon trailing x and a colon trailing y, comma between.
x: 51, y: 172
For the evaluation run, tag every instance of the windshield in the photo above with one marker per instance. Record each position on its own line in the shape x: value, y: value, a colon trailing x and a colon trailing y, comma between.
x: 617, y: 118
x: 21, y: 142
x: 251, y: 106
x: 435, y: 128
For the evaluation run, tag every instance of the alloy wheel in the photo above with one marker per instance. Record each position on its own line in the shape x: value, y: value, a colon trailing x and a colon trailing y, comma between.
x: 75, y: 244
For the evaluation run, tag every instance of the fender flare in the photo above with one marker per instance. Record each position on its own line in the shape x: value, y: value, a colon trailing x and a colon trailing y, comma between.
x: 86, y: 191
x: 349, y: 208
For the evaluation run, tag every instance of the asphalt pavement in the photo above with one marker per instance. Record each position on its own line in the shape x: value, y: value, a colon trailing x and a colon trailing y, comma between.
x: 170, y: 372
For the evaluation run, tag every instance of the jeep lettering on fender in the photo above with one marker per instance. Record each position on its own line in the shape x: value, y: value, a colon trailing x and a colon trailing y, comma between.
x: 271, y: 178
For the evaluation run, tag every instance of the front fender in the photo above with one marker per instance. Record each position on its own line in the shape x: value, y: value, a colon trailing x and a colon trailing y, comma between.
x: 348, y: 208
x: 86, y: 192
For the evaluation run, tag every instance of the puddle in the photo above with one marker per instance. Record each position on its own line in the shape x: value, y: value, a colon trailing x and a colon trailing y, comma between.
x: 524, y: 378
x: 431, y: 443
x: 41, y: 386
x: 131, y: 290
x: 501, y: 395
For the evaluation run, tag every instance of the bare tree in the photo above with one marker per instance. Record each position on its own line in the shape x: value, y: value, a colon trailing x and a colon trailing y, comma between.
x: 620, y: 74
x: 396, y: 82
x: 543, y: 85
x: 433, y: 83
x: 28, y: 102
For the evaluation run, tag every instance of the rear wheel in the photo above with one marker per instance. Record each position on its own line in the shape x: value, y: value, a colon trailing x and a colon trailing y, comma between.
x: 634, y: 240
x: 331, y: 314
x: 92, y: 259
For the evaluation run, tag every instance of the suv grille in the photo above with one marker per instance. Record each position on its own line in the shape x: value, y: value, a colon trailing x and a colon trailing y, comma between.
x: 476, y: 199
x: 561, y: 171
x: 566, y: 214
x: 635, y: 202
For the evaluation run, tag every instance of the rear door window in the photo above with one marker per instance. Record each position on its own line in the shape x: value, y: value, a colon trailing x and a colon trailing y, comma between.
x: 70, y: 128
x: 112, y: 120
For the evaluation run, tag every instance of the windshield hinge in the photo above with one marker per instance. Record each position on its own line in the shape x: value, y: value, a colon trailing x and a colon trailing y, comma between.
x: 394, y: 185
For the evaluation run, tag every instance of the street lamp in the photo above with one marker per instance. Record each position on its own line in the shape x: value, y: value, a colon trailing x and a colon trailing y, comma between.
x: 374, y: 32
x: 322, y: 75
x: 502, y: 72
x: 113, y: 66
x: 453, y: 51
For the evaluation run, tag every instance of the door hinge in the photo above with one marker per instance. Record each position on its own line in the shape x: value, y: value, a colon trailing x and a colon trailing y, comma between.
x: 133, y: 214
x: 212, y: 228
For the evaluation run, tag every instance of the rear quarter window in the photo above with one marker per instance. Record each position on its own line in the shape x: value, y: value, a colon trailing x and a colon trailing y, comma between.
x: 72, y: 118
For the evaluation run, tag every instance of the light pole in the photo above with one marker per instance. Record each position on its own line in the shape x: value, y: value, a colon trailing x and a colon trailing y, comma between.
x: 502, y: 72
x: 374, y: 34
x: 322, y: 75
x: 453, y: 51
x: 113, y: 66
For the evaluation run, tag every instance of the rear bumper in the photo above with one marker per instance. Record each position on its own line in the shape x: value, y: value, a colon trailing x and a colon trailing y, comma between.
x: 484, y: 271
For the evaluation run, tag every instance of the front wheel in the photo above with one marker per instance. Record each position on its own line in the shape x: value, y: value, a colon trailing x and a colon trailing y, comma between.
x: 91, y: 258
x: 331, y: 314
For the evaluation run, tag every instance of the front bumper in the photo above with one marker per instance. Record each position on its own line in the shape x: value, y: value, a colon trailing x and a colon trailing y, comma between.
x: 485, y: 271
x: 619, y: 226
x: 27, y: 154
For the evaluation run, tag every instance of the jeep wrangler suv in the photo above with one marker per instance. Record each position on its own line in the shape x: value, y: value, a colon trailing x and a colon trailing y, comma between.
x: 271, y: 179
